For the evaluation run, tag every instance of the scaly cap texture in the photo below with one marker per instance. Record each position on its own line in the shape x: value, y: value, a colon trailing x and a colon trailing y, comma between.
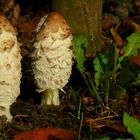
x: 10, y: 67
x: 52, y: 56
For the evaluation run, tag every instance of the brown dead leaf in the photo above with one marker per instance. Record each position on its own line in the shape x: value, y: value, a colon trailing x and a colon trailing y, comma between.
x: 136, y: 59
x: 106, y: 22
x: 8, y: 6
x: 16, y: 14
x: 114, y: 124
x: 93, y: 122
x: 137, y: 116
x: 26, y: 30
x: 119, y: 127
x: 136, y: 19
x: 87, y: 100
x: 29, y: 26
x: 135, y: 26
x: 117, y: 38
x: 45, y: 134
x: 137, y: 3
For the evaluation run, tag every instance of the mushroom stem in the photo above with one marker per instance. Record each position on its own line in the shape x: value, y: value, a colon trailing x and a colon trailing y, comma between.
x: 50, y: 96
x: 6, y: 111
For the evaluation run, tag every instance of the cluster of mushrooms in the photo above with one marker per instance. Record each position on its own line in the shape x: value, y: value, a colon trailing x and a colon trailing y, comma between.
x: 51, y: 60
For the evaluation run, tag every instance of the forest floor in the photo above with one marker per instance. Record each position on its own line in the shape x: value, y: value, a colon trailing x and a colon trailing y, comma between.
x: 76, y: 118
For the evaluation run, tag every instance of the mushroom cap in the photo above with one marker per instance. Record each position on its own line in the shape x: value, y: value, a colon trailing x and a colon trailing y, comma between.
x: 10, y: 67
x: 6, y: 26
x: 52, y: 23
x: 52, y: 56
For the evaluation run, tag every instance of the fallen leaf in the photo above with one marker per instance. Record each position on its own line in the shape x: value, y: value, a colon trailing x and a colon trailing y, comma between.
x: 137, y: 3
x: 117, y: 38
x: 29, y: 26
x: 135, y: 26
x: 137, y: 116
x: 16, y: 14
x: 136, y: 59
x: 106, y: 23
x: 93, y: 122
x: 99, y: 123
x: 26, y: 30
x: 88, y: 100
x: 45, y: 134
x: 8, y: 6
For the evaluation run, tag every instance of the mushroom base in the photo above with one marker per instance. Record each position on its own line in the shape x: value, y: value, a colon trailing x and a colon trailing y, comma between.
x: 50, y: 97
x: 6, y: 112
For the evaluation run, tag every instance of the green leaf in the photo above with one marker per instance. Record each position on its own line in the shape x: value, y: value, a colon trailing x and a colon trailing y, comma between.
x: 22, y: 127
x: 119, y: 1
x: 80, y: 44
x: 123, y: 139
x: 133, y: 125
x: 133, y: 44
x: 99, y: 62
x: 98, y: 71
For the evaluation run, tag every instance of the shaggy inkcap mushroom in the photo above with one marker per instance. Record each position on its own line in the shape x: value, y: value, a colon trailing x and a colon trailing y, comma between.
x: 10, y: 67
x: 52, y: 57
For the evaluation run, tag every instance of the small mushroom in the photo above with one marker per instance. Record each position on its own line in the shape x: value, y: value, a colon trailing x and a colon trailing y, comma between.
x: 10, y: 67
x: 52, y: 57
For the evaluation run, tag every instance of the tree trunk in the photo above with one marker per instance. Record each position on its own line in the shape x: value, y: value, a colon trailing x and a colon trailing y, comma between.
x: 83, y: 16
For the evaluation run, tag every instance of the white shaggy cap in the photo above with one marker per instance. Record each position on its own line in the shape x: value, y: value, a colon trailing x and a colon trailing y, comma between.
x: 52, y: 55
x: 10, y: 67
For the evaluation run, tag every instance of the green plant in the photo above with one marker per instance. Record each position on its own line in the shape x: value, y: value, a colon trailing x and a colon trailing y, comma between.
x: 108, y: 67
x: 80, y: 45
x: 80, y: 127
x: 133, y: 125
